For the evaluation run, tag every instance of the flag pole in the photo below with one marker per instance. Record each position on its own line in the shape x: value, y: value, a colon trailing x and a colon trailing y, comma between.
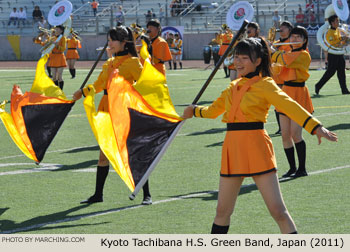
x: 178, y: 127
x: 94, y: 66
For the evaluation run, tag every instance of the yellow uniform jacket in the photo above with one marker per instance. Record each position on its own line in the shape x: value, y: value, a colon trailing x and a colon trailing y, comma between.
x: 333, y: 37
x: 256, y: 103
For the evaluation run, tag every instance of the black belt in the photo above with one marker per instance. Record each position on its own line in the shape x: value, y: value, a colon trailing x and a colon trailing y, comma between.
x: 245, y: 126
x: 72, y: 48
x: 225, y: 43
x: 105, y: 92
x: 57, y: 52
x: 294, y: 84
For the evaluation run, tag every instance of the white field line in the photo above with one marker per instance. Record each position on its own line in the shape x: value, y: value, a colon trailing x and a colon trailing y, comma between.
x: 116, y: 210
x: 42, y: 167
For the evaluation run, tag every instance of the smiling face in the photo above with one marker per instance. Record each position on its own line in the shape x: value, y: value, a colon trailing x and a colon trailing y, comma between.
x: 152, y: 31
x: 244, y: 64
x: 115, y: 46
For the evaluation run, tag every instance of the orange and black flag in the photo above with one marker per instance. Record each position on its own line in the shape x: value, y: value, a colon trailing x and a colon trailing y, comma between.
x: 37, y: 115
x: 139, y: 123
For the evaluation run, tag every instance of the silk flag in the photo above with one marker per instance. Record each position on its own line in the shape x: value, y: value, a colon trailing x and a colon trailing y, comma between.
x: 140, y: 120
x: 37, y: 115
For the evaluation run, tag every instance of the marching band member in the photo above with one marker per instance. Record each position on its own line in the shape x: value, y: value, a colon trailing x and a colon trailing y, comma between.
x: 247, y: 149
x: 72, y: 53
x: 296, y: 71
x: 285, y: 28
x: 170, y: 40
x: 57, y: 58
x: 336, y: 63
x: 176, y: 50
x: 121, y: 44
x: 160, y: 52
x: 225, y: 38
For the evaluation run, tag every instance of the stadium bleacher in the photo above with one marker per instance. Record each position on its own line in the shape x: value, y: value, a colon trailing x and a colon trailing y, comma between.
x: 204, y: 18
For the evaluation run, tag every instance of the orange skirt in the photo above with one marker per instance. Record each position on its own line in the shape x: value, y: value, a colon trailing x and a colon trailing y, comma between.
x: 72, y: 54
x: 57, y: 60
x: 247, y: 153
x: 222, y: 49
x: 301, y: 95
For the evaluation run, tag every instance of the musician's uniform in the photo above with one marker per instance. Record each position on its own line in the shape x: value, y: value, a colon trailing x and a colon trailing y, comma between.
x: 225, y: 39
x: 176, y: 51
x: 160, y: 53
x: 294, y: 73
x: 129, y: 67
x: 57, y: 58
x: 336, y: 63
x: 247, y: 148
x: 72, y: 52
x: 277, y: 69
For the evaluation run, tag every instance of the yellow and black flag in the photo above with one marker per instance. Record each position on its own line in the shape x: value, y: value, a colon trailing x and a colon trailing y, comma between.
x: 37, y: 115
x: 139, y: 123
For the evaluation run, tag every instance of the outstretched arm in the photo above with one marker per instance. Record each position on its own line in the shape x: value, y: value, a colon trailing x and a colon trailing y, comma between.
x: 323, y: 132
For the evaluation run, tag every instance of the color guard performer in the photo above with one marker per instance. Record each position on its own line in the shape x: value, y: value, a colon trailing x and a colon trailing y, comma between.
x: 57, y: 58
x: 121, y: 44
x: 336, y: 63
x: 296, y: 71
x: 72, y: 53
x: 247, y: 149
x: 160, y: 52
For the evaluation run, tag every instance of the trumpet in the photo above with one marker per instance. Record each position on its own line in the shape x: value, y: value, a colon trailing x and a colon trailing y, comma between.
x: 286, y: 43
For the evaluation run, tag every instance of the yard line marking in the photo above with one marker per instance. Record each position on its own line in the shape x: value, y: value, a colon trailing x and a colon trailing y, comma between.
x: 43, y: 167
x: 116, y: 210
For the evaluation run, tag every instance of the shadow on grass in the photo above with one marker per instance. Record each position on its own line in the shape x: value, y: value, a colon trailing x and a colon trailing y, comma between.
x: 210, y: 131
x: 3, y: 210
x: 81, y: 165
x: 341, y: 126
x: 213, y: 195
x: 91, y: 148
x: 315, y: 96
x: 40, y: 222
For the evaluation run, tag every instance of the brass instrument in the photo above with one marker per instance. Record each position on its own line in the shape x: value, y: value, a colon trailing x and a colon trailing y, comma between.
x: 271, y: 36
x: 286, y: 43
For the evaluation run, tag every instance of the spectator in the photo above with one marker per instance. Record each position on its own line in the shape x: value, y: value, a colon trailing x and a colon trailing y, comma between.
x: 13, y: 16
x: 311, y: 17
x: 120, y: 16
x: 149, y: 16
x: 174, y: 6
x: 161, y: 15
x: 22, y: 16
x: 37, y: 14
x: 276, y: 19
x: 42, y: 23
x: 310, y: 5
x: 299, y: 18
x: 94, y: 6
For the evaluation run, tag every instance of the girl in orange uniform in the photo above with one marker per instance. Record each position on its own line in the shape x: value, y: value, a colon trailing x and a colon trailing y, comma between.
x: 121, y: 44
x: 57, y: 58
x: 72, y: 53
x: 225, y: 39
x: 247, y: 150
x: 295, y: 72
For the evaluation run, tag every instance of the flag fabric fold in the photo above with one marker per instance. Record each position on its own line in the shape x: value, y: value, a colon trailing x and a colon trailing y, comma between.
x: 140, y: 120
x: 37, y: 115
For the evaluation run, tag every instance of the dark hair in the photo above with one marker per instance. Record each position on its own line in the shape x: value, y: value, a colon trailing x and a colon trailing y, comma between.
x: 61, y: 28
x: 154, y: 22
x: 122, y: 33
x: 332, y: 18
x: 303, y: 32
x: 287, y: 24
x: 256, y: 48
x: 253, y: 25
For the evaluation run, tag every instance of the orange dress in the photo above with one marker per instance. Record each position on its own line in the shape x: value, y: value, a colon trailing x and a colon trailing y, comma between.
x: 129, y: 67
x: 247, y: 148
x: 160, y: 53
x: 225, y: 41
x: 57, y: 58
x: 294, y: 73
x: 72, y: 45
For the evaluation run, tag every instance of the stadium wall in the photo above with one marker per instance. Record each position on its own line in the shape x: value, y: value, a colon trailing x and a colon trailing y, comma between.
x: 193, y: 47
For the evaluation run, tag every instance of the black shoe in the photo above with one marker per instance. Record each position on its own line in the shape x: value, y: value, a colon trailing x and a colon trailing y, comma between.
x: 278, y: 132
x: 147, y: 201
x: 346, y: 92
x: 288, y: 173
x: 317, y: 90
x: 300, y: 173
x: 92, y: 199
